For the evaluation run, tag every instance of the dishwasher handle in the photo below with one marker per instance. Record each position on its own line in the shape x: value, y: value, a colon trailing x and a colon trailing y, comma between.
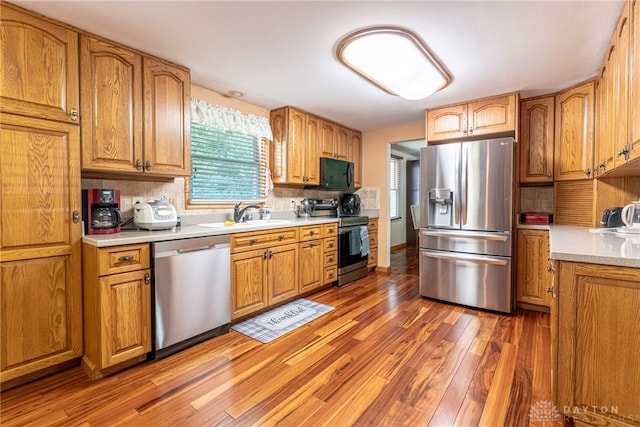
x: 202, y: 248
x: 185, y: 246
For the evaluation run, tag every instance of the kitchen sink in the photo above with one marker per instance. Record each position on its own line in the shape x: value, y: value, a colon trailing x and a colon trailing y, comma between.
x: 256, y: 223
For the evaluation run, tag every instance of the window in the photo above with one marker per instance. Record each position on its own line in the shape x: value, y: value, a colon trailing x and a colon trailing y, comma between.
x: 395, y: 164
x: 228, y: 155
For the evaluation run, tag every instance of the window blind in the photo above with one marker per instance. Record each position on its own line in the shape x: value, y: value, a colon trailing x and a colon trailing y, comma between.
x: 394, y: 186
x: 226, y: 166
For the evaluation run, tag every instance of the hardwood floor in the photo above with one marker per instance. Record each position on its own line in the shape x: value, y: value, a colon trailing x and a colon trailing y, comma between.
x: 384, y: 356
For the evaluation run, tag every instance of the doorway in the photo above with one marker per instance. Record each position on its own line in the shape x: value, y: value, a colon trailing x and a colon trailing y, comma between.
x: 404, y: 190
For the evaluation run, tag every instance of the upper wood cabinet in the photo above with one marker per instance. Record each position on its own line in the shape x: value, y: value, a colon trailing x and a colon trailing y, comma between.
x: 621, y: 88
x: 482, y: 117
x: 634, y: 82
x: 355, y: 156
x: 294, y: 152
x: 299, y: 141
x: 40, y: 253
x: 38, y: 68
x: 137, y: 111
x: 574, y: 132
x: 167, y: 116
x: 536, y: 140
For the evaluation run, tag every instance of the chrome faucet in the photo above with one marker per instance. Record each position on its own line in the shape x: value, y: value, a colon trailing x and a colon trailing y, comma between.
x: 238, y: 213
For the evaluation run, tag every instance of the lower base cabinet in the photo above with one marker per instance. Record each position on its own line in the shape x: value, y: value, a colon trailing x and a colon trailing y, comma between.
x: 534, y: 274
x: 372, y: 263
x: 596, y: 343
x: 117, y: 306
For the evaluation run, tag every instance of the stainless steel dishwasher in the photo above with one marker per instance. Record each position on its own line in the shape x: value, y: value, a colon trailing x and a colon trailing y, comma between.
x: 192, y: 292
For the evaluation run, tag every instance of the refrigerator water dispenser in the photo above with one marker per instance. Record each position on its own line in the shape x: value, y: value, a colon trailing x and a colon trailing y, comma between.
x: 440, y: 207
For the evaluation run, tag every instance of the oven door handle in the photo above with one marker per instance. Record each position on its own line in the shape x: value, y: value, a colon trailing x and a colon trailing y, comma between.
x: 345, y: 230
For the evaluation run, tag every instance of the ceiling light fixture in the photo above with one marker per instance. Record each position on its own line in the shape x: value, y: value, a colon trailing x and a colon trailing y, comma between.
x: 395, y: 59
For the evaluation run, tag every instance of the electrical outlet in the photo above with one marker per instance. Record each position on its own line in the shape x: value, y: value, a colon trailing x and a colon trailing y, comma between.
x: 135, y: 200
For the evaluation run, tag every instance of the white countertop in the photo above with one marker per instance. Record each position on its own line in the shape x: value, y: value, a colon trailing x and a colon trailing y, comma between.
x: 579, y: 244
x: 128, y: 237
x: 533, y: 226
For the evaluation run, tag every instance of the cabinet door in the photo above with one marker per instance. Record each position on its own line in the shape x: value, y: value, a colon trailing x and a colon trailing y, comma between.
x: 125, y: 312
x: 621, y: 87
x: 38, y: 67
x: 311, y: 265
x: 167, y: 112
x: 536, y: 135
x: 603, y: 151
x: 248, y: 282
x: 574, y: 133
x: 447, y: 123
x: 40, y: 276
x: 492, y: 115
x: 111, y: 106
x: 311, y: 153
x: 355, y: 155
x: 598, y: 339
x: 327, y: 139
x: 342, y: 143
x: 634, y: 82
x: 282, y: 275
x: 296, y: 141
x: 533, y: 276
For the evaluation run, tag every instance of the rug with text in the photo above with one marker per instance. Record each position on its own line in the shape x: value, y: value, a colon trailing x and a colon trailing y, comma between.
x: 277, y: 322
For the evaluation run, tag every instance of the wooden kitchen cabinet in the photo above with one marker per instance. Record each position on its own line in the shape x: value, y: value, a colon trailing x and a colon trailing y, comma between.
x: 536, y: 140
x: 604, y: 156
x: 330, y: 246
x: 294, y: 154
x: 117, y: 307
x: 334, y: 140
x: 634, y: 81
x: 373, y: 244
x: 534, y: 274
x: 355, y: 156
x: 621, y: 88
x: 574, y: 133
x: 264, y: 269
x: 596, y: 337
x: 311, y: 264
x: 495, y: 115
x: 40, y: 247
x: 139, y: 122
x: 39, y: 66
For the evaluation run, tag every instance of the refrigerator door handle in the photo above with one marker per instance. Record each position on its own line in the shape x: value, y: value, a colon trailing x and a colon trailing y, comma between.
x: 463, y: 183
x: 471, y: 235
x: 481, y: 259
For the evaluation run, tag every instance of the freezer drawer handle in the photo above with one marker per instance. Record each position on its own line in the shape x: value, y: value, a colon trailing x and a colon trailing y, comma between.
x: 497, y: 237
x: 459, y: 257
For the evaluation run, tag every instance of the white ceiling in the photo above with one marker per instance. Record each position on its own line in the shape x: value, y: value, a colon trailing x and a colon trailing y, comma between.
x: 282, y: 53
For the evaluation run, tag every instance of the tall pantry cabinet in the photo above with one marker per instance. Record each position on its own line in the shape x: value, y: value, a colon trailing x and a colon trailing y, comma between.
x: 40, y: 228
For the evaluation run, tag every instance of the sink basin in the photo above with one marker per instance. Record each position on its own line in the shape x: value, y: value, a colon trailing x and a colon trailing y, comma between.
x: 255, y: 223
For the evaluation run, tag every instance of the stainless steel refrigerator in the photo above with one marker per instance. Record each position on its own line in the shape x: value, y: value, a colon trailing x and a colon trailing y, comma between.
x: 466, y: 191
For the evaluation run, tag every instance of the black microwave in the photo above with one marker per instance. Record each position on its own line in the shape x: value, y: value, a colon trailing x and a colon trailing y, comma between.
x: 336, y: 174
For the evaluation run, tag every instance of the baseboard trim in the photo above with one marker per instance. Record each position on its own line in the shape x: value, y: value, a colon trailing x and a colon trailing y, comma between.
x: 381, y: 269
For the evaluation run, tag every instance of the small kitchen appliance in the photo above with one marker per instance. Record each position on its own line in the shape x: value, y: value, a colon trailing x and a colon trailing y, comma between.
x: 101, y: 211
x: 350, y: 204
x: 612, y: 218
x: 631, y: 215
x: 155, y: 215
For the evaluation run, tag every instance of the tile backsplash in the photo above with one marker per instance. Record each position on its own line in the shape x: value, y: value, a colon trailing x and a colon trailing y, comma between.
x: 279, y: 200
x: 536, y: 199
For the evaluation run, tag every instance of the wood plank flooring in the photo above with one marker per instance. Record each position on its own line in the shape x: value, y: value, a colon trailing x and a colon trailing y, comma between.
x: 385, y: 356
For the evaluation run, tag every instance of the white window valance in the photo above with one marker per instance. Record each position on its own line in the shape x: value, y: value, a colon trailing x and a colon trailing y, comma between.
x: 229, y: 120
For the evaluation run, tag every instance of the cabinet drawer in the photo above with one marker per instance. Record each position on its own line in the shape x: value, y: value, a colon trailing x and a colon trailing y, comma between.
x: 331, y: 244
x: 373, y: 258
x: 373, y: 226
x: 373, y: 240
x: 330, y: 230
x: 120, y: 259
x: 330, y: 274
x: 330, y: 258
x: 310, y: 232
x: 251, y: 240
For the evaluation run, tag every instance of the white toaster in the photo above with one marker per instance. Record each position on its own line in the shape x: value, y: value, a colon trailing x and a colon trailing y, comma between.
x: 154, y: 215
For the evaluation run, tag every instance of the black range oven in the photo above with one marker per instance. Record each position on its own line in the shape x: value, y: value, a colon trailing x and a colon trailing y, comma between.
x: 353, y: 248
x: 353, y: 240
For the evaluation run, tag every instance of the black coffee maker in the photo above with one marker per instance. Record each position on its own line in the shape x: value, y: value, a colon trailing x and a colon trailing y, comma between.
x: 101, y: 211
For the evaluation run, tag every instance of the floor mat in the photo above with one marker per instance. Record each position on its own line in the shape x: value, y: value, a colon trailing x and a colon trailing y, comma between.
x: 277, y: 322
